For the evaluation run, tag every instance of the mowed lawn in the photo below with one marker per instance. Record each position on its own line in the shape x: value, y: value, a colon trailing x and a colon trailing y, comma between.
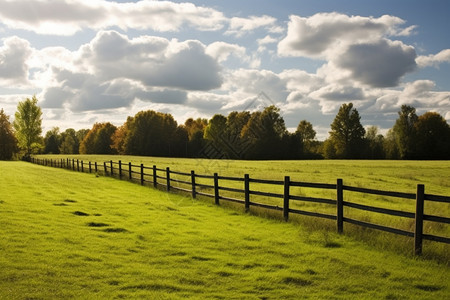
x: 71, y: 235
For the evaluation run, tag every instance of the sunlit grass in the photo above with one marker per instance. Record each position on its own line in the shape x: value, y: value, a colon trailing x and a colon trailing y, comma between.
x: 72, y: 235
x: 399, y: 176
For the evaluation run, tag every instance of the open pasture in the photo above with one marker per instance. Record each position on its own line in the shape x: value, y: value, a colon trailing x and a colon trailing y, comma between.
x: 72, y: 235
x: 394, y: 176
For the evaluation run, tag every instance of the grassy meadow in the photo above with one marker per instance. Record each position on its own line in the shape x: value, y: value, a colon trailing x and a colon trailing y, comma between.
x: 399, y: 176
x: 72, y: 235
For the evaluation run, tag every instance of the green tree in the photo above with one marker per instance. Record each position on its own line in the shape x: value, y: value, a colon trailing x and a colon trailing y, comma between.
x: 69, y: 142
x: 8, y: 141
x: 28, y: 125
x: 52, y: 141
x: 264, y: 131
x: 307, y: 135
x: 151, y: 133
x: 405, y: 132
x: 195, y: 129
x: 215, y: 132
x: 375, y: 142
x: 390, y: 145
x: 347, y: 133
x: 432, y: 136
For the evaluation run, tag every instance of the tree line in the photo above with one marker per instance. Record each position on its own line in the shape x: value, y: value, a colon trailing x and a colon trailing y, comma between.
x: 240, y: 135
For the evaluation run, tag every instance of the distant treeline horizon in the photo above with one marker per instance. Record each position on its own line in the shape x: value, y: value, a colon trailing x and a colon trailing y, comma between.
x: 249, y: 135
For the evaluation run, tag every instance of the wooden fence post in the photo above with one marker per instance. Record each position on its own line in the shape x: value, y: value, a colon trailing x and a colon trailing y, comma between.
x: 82, y: 167
x: 142, y: 174
x: 340, y: 206
x: 130, y: 174
x: 418, y: 232
x: 95, y: 165
x: 194, y: 193
x: 155, y: 182
x: 216, y: 188
x: 168, y: 178
x: 247, y: 192
x: 112, y: 167
x: 78, y: 165
x: 90, y: 167
x: 106, y: 169
x: 120, y: 169
x: 287, y: 181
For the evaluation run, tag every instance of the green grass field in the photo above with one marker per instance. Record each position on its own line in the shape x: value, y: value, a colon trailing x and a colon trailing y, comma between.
x: 399, y: 176
x: 71, y: 235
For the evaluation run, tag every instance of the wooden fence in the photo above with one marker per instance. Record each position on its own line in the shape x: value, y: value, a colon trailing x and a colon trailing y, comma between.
x: 152, y: 176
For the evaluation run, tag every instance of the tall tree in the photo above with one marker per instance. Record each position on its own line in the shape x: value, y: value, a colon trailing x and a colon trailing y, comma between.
x: 432, y: 136
x: 306, y: 134
x: 8, y: 141
x: 347, y: 133
x: 52, y: 141
x: 375, y: 142
x: 28, y: 125
x: 405, y: 132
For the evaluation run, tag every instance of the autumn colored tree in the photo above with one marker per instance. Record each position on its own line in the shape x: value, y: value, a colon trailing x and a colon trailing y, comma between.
x: 99, y: 139
x: 28, y: 125
x: 8, y: 141
x: 347, y: 133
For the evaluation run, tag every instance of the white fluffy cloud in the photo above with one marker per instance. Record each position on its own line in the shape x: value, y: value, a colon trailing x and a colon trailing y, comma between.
x: 66, y: 17
x: 356, y: 48
x: 320, y: 35
x: 13, y: 61
x: 240, y: 26
x: 434, y: 59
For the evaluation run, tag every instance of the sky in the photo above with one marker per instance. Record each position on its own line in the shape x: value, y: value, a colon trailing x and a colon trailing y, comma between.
x: 93, y: 61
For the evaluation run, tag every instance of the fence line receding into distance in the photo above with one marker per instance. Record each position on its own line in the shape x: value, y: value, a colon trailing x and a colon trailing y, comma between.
x: 161, y: 178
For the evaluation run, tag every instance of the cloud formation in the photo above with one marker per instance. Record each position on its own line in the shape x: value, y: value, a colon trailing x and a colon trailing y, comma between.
x: 65, y: 17
x: 138, y: 56
x: 13, y: 61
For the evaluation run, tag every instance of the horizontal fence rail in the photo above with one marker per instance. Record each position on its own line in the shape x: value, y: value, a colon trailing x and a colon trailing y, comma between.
x: 161, y: 178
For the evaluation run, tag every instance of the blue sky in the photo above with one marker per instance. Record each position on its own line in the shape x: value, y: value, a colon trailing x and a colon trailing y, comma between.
x: 95, y: 61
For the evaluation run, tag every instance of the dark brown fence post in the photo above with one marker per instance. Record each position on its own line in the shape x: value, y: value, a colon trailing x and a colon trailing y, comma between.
x: 78, y: 165
x: 194, y: 193
x: 142, y: 174
x: 340, y: 205
x: 216, y: 188
x: 82, y: 167
x: 112, y: 167
x: 247, y: 192
x: 90, y: 167
x: 287, y: 181
x: 106, y: 169
x: 168, y: 178
x: 130, y: 174
x: 155, y: 182
x: 95, y: 165
x: 418, y: 232
x: 120, y: 169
